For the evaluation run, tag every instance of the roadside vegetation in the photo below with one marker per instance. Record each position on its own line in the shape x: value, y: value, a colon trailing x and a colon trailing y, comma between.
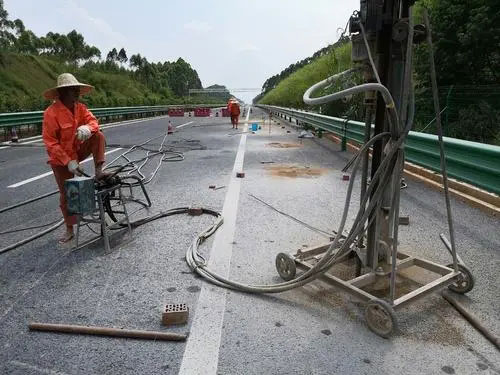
x: 466, y: 37
x: 30, y: 64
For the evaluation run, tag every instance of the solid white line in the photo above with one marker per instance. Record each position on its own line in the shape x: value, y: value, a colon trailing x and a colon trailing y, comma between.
x: 36, y: 368
x: 248, y: 114
x: 37, y: 138
x: 104, y: 127
x: 181, y: 126
x: 201, y: 355
x: 24, y: 182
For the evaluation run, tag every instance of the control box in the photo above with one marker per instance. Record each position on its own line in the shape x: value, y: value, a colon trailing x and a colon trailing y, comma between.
x: 80, y: 195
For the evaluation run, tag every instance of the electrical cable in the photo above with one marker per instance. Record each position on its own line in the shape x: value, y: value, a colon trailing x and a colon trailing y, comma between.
x: 130, y: 168
x: 314, y: 229
x: 28, y: 228
x: 32, y: 238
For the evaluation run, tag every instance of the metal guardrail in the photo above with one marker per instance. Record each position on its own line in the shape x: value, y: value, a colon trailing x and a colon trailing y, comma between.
x: 475, y: 163
x: 36, y: 118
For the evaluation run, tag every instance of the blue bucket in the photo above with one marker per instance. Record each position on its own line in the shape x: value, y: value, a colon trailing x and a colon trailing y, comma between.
x: 254, y: 127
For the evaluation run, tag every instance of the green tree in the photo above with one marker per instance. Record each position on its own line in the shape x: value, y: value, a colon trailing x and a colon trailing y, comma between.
x: 112, y: 55
x: 122, y: 56
x: 19, y: 26
x: 62, y: 46
x: 7, y: 38
x: 77, y: 50
x: 135, y: 61
x: 27, y: 43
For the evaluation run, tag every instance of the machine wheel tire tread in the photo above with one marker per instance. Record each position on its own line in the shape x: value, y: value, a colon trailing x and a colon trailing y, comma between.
x: 380, y: 317
x: 466, y: 284
x: 285, y: 265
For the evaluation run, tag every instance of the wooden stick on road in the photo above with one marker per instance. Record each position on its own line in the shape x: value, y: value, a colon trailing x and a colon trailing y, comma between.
x: 106, y: 331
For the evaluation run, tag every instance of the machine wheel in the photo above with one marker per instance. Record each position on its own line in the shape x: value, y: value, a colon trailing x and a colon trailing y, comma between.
x: 285, y: 265
x: 380, y: 317
x: 466, y: 281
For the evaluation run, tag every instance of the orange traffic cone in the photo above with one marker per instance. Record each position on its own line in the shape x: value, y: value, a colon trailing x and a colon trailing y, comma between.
x: 170, y: 129
x: 14, y: 138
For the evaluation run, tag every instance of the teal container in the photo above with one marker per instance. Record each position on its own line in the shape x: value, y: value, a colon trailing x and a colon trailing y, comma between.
x: 255, y: 127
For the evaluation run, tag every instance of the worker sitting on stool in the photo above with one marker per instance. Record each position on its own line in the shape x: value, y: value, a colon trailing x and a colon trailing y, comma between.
x: 70, y: 133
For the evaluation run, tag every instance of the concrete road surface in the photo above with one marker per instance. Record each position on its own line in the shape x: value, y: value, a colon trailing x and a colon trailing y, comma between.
x: 315, y: 329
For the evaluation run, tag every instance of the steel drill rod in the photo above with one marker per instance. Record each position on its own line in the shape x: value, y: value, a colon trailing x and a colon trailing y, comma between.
x: 472, y: 319
x: 440, y: 137
x: 106, y: 331
x: 448, y: 247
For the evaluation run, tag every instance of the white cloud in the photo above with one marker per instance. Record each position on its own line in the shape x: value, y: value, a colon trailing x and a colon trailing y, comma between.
x: 95, y: 30
x: 197, y: 26
x: 247, y: 47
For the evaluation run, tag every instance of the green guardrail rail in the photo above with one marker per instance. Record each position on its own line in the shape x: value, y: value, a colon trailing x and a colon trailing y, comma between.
x: 35, y: 118
x: 475, y: 163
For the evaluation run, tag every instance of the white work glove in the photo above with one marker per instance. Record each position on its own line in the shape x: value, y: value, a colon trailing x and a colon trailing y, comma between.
x: 74, y: 167
x: 83, y: 133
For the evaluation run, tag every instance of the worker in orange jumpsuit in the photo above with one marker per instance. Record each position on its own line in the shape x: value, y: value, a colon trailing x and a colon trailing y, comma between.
x: 70, y: 133
x: 235, y: 114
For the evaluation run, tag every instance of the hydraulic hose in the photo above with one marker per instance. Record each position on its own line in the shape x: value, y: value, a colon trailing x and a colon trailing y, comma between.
x: 31, y: 238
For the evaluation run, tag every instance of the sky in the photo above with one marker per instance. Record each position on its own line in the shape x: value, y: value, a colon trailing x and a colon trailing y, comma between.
x: 238, y: 44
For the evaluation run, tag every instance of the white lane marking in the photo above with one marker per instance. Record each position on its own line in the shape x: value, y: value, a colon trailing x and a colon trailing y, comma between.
x: 37, y: 138
x: 201, y: 355
x: 181, y: 126
x: 27, y: 181
x: 104, y: 127
x: 36, y: 368
x: 248, y: 114
x: 22, y: 143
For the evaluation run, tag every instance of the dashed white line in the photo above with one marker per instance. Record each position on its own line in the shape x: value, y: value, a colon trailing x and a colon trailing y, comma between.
x: 181, y: 126
x: 201, y: 355
x: 37, y: 138
x: 27, y: 181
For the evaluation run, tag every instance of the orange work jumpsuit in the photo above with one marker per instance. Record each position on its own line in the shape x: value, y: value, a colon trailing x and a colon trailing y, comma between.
x: 235, y: 114
x: 59, y: 135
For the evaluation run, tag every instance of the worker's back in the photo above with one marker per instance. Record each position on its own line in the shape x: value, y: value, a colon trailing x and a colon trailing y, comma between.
x: 235, y: 109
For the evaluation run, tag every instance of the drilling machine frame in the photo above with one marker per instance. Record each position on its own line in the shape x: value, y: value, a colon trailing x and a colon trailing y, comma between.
x: 383, y: 28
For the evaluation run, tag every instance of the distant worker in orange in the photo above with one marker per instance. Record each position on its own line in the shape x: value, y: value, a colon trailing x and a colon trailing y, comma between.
x: 234, y: 111
x: 70, y: 133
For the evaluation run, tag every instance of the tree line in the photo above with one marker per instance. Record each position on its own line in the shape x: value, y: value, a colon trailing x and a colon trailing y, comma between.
x: 273, y: 81
x: 167, y: 80
x: 466, y: 37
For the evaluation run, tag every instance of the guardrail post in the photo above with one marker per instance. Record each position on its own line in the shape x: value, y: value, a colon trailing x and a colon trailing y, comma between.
x: 13, y: 135
x: 344, y: 136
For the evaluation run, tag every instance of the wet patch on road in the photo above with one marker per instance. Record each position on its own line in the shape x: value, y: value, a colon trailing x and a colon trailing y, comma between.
x: 193, y: 289
x: 283, y: 145
x: 293, y: 171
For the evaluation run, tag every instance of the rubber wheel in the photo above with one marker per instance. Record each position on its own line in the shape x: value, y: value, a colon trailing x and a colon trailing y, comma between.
x: 380, y: 317
x: 285, y: 265
x: 466, y: 281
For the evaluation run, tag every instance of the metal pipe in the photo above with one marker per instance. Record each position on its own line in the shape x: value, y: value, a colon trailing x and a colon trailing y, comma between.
x: 473, y: 320
x: 440, y: 137
x: 364, y: 167
x: 107, y: 331
x: 447, y: 244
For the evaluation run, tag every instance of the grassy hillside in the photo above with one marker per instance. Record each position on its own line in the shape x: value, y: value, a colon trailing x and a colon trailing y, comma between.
x: 289, y: 92
x: 23, y: 78
x: 467, y: 68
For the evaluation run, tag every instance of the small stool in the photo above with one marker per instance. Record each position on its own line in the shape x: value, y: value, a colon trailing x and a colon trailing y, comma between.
x: 101, y: 196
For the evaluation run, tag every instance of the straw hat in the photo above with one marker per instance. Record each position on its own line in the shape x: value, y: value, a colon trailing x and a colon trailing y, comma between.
x: 66, y: 80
